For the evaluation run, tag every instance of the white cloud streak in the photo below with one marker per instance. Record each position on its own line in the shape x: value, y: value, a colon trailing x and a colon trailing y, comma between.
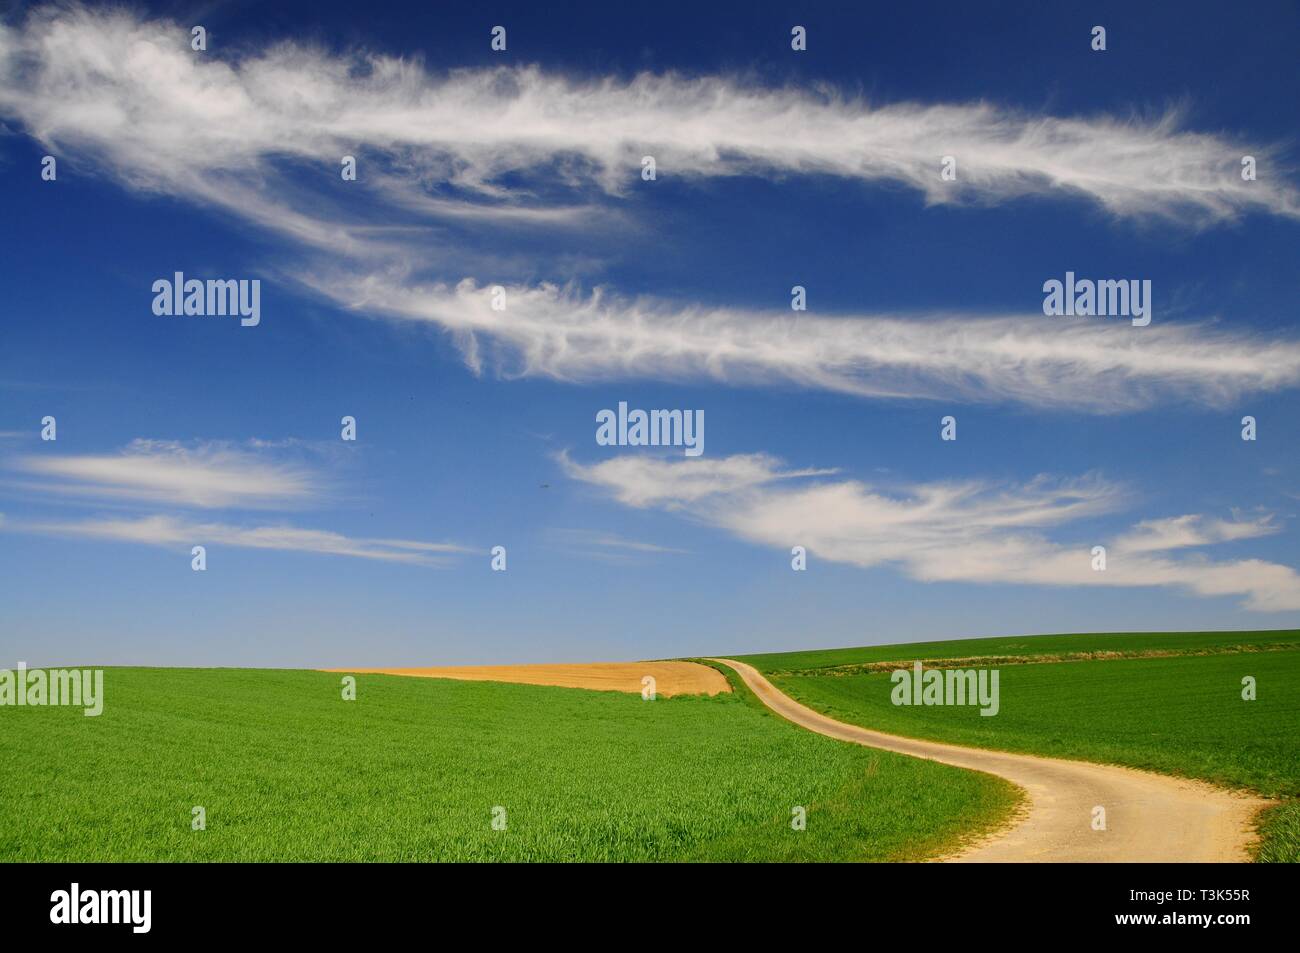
x: 258, y: 135
x: 608, y: 547
x: 947, y: 532
x: 595, y: 538
x: 171, y: 531
x: 1182, y: 532
x: 649, y: 481
x: 132, y: 89
x: 202, y: 475
x: 205, y: 475
x: 1079, y: 364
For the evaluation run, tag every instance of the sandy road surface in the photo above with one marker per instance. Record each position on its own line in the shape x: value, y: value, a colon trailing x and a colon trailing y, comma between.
x: 671, y: 678
x: 1149, y: 817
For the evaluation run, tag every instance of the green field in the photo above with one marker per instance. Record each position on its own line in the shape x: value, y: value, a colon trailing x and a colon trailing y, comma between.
x: 1179, y: 713
x: 412, y: 770
x: 1032, y: 646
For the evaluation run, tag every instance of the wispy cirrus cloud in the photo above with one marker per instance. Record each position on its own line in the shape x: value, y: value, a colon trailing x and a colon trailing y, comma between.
x: 566, y: 334
x: 651, y: 481
x: 172, y: 531
x: 949, y: 531
x: 130, y: 89
x: 1182, y: 532
x: 205, y: 474
x: 236, y: 132
x: 608, y: 547
x: 201, y: 475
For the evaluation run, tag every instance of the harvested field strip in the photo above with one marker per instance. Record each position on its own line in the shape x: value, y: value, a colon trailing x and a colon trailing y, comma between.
x: 669, y: 678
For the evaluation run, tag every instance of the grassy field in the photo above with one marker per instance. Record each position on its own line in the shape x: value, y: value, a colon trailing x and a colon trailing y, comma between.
x: 1177, y: 709
x: 1022, y: 647
x: 412, y: 769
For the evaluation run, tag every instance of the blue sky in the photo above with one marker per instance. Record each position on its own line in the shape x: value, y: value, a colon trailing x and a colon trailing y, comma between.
x: 522, y: 168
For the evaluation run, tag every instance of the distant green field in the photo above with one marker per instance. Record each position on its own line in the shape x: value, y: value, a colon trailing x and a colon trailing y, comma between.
x: 1180, y: 714
x: 1029, y: 646
x: 413, y: 768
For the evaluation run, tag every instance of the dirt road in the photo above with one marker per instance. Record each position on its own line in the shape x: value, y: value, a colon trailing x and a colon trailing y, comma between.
x: 1149, y: 817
